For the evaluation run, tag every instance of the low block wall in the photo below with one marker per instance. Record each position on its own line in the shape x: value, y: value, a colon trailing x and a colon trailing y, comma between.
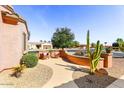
x: 107, y: 59
x: 84, y: 61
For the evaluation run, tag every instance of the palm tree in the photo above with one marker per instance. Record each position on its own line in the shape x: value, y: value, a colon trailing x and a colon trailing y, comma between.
x: 105, y: 43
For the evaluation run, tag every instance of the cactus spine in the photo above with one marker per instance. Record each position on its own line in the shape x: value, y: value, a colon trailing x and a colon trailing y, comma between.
x: 95, y: 56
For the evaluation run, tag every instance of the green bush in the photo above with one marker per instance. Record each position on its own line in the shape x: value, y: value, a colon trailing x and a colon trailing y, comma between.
x: 122, y: 49
x: 108, y: 49
x: 29, y: 60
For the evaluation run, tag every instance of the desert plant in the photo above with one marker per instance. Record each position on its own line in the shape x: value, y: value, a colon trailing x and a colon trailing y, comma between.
x: 50, y: 50
x: 62, y: 38
x: 108, y: 49
x: 120, y: 41
x: 93, y: 45
x: 18, y: 71
x: 94, y: 56
x: 115, y: 44
x: 122, y: 49
x: 29, y: 60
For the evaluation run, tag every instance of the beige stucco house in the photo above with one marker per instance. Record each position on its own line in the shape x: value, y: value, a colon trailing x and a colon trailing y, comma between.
x: 14, y: 35
x: 40, y: 45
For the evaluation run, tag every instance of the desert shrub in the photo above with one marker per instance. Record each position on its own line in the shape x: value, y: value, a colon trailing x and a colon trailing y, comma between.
x: 29, y: 60
x: 122, y: 49
x: 115, y: 44
x: 17, y: 71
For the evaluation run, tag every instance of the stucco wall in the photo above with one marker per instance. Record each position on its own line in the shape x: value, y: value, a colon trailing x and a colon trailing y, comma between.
x: 11, y: 41
x: 84, y: 61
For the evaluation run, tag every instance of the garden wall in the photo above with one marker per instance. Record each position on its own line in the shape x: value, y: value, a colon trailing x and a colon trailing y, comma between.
x: 107, y: 59
x: 84, y: 61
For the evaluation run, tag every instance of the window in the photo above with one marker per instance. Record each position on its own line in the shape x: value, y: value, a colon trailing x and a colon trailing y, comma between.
x: 24, y: 41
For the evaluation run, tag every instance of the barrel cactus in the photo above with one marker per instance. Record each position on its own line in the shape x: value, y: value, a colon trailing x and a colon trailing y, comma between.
x: 94, y: 56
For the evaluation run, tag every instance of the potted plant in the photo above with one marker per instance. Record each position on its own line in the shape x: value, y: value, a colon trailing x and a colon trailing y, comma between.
x: 108, y: 50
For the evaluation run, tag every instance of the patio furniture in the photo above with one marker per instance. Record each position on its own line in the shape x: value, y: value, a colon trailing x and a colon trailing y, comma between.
x: 44, y: 56
x: 54, y: 54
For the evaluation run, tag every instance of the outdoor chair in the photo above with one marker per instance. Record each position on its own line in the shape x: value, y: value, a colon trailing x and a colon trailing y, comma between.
x: 44, y: 56
x: 54, y: 55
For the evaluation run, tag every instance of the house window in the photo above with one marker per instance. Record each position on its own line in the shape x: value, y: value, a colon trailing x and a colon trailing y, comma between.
x: 24, y: 41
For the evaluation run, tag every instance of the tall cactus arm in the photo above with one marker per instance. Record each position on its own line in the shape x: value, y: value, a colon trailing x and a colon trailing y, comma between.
x: 88, y: 43
x: 97, y: 49
x: 96, y: 62
x: 95, y: 56
x: 98, y: 56
x: 100, y: 50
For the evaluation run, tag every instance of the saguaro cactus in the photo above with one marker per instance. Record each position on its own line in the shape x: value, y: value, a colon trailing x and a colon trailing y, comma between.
x: 94, y: 56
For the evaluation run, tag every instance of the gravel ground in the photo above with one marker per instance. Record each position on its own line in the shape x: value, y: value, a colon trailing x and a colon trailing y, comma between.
x: 31, y: 77
x: 84, y: 80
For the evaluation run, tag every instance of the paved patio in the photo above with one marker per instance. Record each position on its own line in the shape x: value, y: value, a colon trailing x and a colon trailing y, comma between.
x: 118, y: 83
x: 61, y: 74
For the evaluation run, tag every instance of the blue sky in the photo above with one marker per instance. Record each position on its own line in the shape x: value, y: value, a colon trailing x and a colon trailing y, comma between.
x: 106, y: 23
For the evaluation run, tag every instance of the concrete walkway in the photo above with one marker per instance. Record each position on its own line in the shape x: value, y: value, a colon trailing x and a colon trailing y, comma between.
x: 62, y: 73
x: 119, y: 83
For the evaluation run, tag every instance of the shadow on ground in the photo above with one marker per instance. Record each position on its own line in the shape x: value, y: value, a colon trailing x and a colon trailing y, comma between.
x: 83, y: 80
x: 94, y: 81
x: 89, y: 81
x: 74, y: 68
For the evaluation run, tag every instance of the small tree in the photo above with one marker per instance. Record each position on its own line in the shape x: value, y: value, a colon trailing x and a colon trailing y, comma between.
x: 62, y: 38
x: 115, y: 44
x: 122, y: 47
x: 76, y: 44
x: 119, y: 41
x: 93, y: 45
